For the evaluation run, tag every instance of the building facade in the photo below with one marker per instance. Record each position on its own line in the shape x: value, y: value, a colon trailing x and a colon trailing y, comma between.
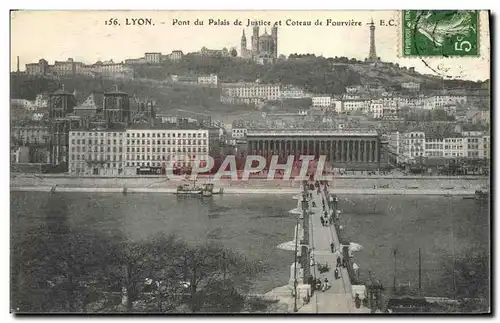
x: 40, y: 68
x: 96, y: 152
x: 264, y: 48
x: 108, y: 152
x: 321, y: 101
x: 411, y: 86
x: 176, y: 55
x: 211, y: 79
x: 249, y: 93
x: 343, y: 149
x: 292, y: 92
x: 169, y: 146
x: 152, y: 58
x: 31, y: 134
x: 116, y: 107
x: 238, y: 133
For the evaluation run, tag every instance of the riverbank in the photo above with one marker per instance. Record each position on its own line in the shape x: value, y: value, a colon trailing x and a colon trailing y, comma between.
x: 235, y: 190
x: 339, y: 185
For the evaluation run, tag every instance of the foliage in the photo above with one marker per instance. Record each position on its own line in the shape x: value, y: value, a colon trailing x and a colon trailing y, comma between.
x: 56, y: 268
x: 467, y: 278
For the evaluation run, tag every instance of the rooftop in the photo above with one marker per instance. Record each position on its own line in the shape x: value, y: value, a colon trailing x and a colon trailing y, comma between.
x: 168, y: 126
x: 310, y: 132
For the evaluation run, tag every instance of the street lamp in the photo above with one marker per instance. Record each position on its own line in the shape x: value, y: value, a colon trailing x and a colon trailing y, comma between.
x: 295, y: 265
x: 394, y: 252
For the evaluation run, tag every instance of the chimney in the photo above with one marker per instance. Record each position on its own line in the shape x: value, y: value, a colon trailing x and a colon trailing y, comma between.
x: 17, y: 64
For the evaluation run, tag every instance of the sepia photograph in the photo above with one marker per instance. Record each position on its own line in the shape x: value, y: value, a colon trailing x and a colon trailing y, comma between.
x: 250, y: 162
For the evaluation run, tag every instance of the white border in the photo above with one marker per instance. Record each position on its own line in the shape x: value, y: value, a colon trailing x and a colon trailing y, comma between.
x: 185, y: 4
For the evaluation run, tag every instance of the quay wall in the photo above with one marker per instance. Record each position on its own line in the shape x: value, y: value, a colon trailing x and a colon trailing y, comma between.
x: 340, y: 185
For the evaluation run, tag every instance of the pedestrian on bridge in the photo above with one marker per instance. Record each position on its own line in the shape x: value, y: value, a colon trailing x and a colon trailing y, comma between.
x: 336, y: 273
x: 326, y: 285
x: 332, y: 246
x: 318, y: 284
x: 322, y: 222
x: 338, y: 262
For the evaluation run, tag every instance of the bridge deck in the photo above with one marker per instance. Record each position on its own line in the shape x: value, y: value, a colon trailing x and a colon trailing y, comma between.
x: 337, y: 299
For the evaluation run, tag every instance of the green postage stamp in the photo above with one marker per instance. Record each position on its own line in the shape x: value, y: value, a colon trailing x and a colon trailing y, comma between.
x: 440, y: 33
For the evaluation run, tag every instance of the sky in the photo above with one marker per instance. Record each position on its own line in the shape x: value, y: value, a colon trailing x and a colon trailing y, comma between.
x: 84, y: 36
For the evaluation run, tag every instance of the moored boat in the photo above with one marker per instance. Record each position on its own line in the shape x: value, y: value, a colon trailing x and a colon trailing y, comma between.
x: 187, y: 189
x: 482, y: 194
x: 207, y: 190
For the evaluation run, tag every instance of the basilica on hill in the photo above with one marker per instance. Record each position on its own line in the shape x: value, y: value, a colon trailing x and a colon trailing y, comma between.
x: 264, y: 47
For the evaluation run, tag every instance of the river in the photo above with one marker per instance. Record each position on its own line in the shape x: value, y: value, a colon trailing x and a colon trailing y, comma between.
x: 256, y: 224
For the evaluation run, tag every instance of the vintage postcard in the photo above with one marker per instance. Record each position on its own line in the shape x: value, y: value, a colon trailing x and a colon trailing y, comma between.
x: 250, y: 162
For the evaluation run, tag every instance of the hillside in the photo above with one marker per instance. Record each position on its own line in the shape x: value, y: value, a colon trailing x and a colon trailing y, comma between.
x: 315, y: 74
x: 169, y: 98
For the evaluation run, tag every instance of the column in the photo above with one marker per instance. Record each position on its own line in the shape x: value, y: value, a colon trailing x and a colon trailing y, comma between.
x: 344, y: 150
x: 341, y: 150
x: 331, y: 152
x: 357, y: 150
x: 369, y: 150
x: 374, y: 147
x: 348, y: 151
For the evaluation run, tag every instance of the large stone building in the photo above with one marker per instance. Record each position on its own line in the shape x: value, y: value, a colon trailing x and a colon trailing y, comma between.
x: 411, y: 147
x: 113, y: 152
x: 96, y: 152
x: 264, y: 48
x: 31, y: 134
x: 71, y: 68
x: 116, y: 107
x: 343, y: 149
x: 249, y: 93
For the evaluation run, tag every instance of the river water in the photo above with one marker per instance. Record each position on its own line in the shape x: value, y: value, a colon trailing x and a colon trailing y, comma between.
x: 256, y: 224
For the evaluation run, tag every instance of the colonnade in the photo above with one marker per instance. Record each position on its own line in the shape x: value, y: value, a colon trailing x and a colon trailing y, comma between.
x: 336, y: 150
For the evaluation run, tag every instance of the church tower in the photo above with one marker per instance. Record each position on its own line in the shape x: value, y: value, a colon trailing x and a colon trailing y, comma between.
x: 274, y: 35
x: 255, y: 41
x: 243, y: 45
x: 373, y: 54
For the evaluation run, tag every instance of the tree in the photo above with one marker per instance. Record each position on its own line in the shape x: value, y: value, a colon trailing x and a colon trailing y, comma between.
x: 234, y: 53
x: 207, y: 266
x: 468, y: 279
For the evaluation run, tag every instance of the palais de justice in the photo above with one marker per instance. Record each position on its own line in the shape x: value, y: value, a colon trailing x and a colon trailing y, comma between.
x: 343, y: 149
